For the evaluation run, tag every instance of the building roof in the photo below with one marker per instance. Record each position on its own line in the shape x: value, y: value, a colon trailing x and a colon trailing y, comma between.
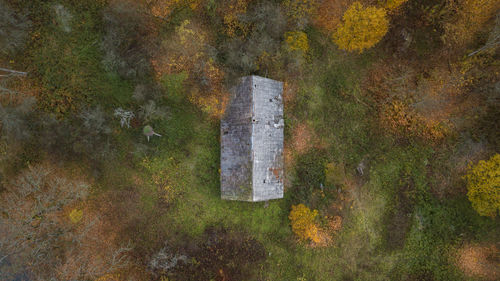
x: 252, y: 141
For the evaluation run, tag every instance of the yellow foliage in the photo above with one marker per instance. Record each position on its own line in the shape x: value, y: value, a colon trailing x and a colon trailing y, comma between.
x: 300, y: 10
x: 75, y: 215
x: 109, y: 277
x: 163, y: 8
x: 303, y: 223
x: 361, y: 28
x: 230, y: 11
x: 483, y: 184
x: 392, y: 4
x: 297, y: 41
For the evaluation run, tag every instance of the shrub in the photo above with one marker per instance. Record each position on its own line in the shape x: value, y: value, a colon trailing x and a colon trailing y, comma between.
x: 299, y: 11
x: 334, y: 174
x: 14, y: 120
x: 303, y: 223
x: 483, y: 182
x: 231, y: 11
x: 13, y: 29
x: 164, y: 8
x: 297, y: 41
x: 392, y: 4
x: 404, y: 122
x: 361, y: 28
x: 470, y: 16
x: 185, y: 59
x: 126, y: 29
x: 329, y: 14
x: 258, y: 50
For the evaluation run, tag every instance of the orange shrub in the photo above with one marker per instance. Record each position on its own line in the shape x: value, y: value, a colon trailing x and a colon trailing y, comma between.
x: 402, y: 121
x: 329, y: 14
x: 470, y: 17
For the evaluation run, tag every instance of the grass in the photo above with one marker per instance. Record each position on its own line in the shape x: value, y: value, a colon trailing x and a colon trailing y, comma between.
x: 68, y: 64
x: 184, y: 163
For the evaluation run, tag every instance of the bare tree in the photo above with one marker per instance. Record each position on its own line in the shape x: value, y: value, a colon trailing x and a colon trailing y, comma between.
x: 29, y: 225
x: 125, y: 116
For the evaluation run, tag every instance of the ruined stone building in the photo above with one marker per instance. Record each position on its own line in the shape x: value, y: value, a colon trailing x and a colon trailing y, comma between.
x: 252, y: 141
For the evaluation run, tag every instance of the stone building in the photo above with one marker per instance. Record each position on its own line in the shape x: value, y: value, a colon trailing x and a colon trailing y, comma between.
x: 252, y: 141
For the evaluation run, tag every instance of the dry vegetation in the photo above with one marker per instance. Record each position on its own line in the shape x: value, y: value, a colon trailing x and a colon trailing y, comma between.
x: 391, y: 117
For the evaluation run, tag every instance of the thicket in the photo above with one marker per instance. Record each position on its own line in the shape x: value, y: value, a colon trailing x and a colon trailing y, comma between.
x: 14, y: 27
x: 483, y: 182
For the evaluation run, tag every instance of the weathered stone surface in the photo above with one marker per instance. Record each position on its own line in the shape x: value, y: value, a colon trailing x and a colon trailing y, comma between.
x: 252, y: 141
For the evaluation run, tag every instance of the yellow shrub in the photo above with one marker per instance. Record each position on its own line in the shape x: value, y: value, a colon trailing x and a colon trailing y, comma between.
x: 230, y: 11
x: 303, y: 223
x: 297, y: 41
x: 483, y: 184
x: 75, y: 215
x: 361, y: 28
x: 392, y: 4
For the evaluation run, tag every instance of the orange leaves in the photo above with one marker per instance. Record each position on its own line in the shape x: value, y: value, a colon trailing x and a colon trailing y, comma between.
x: 329, y: 14
x: 402, y: 121
x: 470, y: 17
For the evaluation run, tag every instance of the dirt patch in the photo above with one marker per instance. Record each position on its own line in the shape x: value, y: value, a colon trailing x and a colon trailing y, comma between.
x: 222, y: 255
x: 479, y: 261
x: 302, y: 138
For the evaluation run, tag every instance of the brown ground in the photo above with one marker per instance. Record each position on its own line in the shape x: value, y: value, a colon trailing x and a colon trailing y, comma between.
x: 479, y: 261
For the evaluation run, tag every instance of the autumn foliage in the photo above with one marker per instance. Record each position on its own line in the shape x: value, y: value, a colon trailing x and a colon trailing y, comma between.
x: 470, y: 16
x: 188, y: 53
x: 328, y: 16
x: 393, y: 4
x: 163, y: 8
x: 361, y: 28
x: 483, y: 184
x: 303, y: 223
x: 297, y: 41
x: 403, y: 121
x: 231, y: 11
